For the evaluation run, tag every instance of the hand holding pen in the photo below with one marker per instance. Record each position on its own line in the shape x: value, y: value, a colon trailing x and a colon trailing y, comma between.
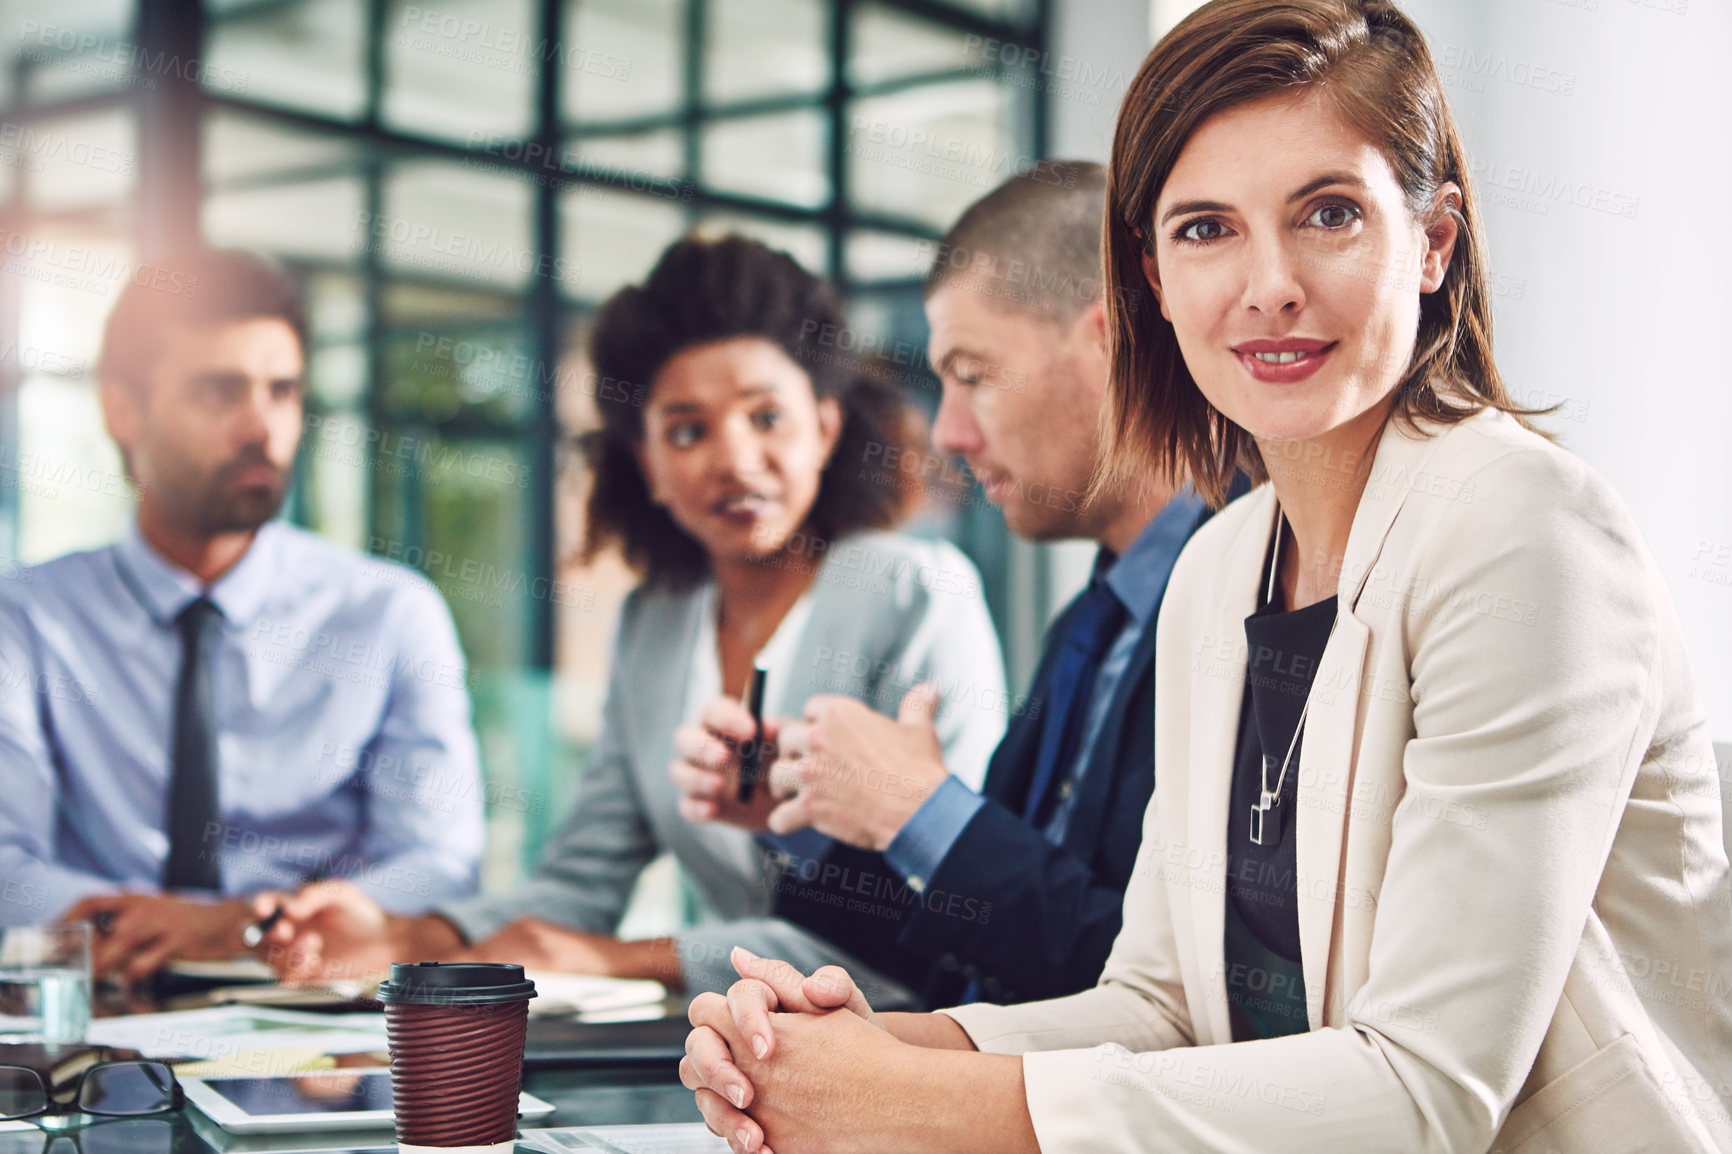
x: 722, y: 764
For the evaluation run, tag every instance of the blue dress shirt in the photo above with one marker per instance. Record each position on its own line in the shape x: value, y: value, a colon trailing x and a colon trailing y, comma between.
x: 344, y: 746
x: 1137, y: 577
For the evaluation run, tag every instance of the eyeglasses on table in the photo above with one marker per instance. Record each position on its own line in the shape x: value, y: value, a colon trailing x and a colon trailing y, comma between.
x: 122, y: 1089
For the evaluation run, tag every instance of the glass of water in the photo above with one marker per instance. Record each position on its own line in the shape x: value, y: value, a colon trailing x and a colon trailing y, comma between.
x: 45, y: 982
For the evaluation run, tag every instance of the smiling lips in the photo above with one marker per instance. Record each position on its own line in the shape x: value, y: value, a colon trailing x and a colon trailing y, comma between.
x: 742, y: 508
x: 1284, y: 361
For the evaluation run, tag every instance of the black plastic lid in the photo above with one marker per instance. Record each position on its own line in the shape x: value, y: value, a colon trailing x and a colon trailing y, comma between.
x: 455, y: 984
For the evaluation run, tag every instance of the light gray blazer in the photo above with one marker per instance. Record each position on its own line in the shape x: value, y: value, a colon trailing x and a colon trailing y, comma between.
x: 887, y: 612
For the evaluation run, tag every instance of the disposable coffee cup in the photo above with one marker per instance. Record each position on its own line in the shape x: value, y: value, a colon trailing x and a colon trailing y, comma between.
x: 456, y: 1033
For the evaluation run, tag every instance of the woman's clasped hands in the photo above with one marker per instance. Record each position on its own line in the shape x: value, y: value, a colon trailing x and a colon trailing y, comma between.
x: 777, y: 1058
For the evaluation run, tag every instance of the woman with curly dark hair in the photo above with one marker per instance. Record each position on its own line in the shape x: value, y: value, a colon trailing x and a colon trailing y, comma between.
x: 747, y: 468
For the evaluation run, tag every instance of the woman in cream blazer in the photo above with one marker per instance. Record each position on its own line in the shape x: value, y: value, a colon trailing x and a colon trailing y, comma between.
x: 1511, y: 887
x: 1509, y: 895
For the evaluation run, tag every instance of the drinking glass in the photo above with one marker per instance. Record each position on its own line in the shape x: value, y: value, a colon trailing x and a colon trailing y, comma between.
x: 45, y: 982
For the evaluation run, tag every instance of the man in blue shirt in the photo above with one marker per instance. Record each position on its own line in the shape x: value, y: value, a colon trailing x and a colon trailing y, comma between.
x: 221, y: 703
x: 1014, y: 893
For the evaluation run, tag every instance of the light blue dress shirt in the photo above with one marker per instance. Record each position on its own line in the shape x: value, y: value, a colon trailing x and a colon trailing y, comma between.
x: 345, y: 746
x: 1137, y: 577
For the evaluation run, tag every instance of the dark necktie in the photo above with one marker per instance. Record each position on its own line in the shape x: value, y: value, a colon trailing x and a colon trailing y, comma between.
x: 192, y: 783
x: 1099, y: 617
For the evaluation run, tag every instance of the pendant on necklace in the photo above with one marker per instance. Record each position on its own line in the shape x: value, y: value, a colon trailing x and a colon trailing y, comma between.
x: 1265, y: 802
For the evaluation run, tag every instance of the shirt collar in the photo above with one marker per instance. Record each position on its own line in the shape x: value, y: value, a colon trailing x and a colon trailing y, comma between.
x: 1139, y: 574
x: 165, y: 589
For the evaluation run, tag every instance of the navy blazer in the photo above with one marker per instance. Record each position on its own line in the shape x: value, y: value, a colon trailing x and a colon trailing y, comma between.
x: 1007, y: 908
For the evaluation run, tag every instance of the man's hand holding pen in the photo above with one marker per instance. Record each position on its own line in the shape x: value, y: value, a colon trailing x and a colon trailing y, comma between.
x: 843, y: 769
x: 136, y: 934
x: 706, y: 767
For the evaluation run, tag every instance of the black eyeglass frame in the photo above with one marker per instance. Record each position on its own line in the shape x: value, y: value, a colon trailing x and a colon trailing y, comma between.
x: 72, y: 1103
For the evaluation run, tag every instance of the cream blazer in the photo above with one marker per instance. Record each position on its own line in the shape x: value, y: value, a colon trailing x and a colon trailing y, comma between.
x: 1514, y: 908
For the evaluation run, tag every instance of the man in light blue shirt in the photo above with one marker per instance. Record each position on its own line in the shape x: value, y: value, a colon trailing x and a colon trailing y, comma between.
x: 221, y: 703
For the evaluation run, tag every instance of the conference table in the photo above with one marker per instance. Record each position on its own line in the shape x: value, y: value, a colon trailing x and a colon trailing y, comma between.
x: 590, y: 1091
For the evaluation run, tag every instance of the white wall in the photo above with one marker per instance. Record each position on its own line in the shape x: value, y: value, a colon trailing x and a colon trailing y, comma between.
x: 1601, y: 132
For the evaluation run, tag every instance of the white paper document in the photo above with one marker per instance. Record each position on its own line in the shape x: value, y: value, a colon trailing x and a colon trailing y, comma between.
x: 557, y: 993
x: 687, y: 1139
x: 224, y: 1031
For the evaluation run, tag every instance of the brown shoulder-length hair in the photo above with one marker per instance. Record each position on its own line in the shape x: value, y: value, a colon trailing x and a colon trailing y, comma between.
x: 711, y: 290
x: 1370, y: 62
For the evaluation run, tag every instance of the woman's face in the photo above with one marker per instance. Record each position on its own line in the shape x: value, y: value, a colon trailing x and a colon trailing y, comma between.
x: 1291, y: 269
x: 734, y: 444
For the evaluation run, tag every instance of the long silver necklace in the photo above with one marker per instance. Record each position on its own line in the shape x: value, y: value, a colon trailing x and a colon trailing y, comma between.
x: 1267, y: 798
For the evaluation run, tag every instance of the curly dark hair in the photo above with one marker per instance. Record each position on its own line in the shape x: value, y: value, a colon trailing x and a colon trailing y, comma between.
x: 702, y: 291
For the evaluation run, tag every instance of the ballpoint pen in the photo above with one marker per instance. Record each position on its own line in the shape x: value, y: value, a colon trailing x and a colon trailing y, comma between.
x: 752, y: 752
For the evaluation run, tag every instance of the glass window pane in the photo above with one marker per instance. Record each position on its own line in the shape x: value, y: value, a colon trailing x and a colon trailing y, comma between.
x: 464, y: 70
x: 315, y: 219
x: 240, y: 147
x: 306, y: 54
x: 421, y: 303
x: 439, y: 513
x: 72, y: 50
x: 778, y: 157
x: 65, y: 291
x: 884, y: 256
x: 78, y: 162
x: 807, y: 243
x: 888, y: 44
x: 337, y: 375
x: 766, y: 48
x: 658, y: 154
x: 613, y: 238
x: 72, y: 491
x: 1015, y: 11
x: 475, y: 494
x: 334, y: 465
x: 335, y: 306
x: 622, y: 58
x: 448, y: 221
x: 480, y: 372
x: 929, y: 152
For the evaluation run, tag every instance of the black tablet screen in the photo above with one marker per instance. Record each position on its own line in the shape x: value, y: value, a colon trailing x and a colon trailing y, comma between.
x: 336, y: 1092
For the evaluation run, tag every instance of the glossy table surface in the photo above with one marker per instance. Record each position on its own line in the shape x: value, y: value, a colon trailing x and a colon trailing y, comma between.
x: 581, y: 1098
x: 592, y: 1096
